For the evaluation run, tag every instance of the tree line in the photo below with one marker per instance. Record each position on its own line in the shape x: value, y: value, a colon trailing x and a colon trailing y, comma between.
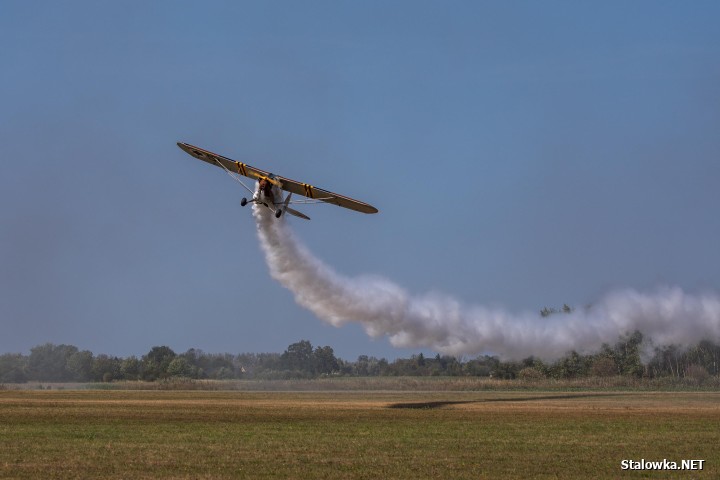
x: 67, y: 363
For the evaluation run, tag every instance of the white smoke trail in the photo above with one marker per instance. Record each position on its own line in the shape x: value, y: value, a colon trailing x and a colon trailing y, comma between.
x: 441, y: 323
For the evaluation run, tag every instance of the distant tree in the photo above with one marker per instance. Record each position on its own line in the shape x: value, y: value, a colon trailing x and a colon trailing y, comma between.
x: 572, y: 365
x: 627, y: 354
x: 106, y: 368
x: 667, y: 361
x: 404, y: 367
x: 530, y: 373
x: 547, y: 311
x: 156, y: 362
x: 675, y: 361
x: 603, y: 366
x: 362, y: 366
x: 541, y: 366
x: 381, y: 367
x: 705, y: 354
x: 482, y: 366
x: 222, y: 366
x: 448, y: 365
x: 345, y: 368
x: 299, y: 357
x: 13, y: 368
x: 161, y: 355
x: 325, y: 361
x: 180, y: 367
x: 48, y: 362
x: 201, y: 363
x: 697, y: 373
x: 130, y: 368
x: 250, y: 365
x: 263, y: 362
x: 206, y: 365
x: 80, y: 364
x: 506, y: 370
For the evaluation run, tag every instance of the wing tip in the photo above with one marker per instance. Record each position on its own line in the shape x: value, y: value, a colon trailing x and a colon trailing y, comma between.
x: 186, y: 147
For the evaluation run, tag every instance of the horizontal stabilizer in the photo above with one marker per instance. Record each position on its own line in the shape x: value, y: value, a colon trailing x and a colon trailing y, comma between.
x: 292, y: 211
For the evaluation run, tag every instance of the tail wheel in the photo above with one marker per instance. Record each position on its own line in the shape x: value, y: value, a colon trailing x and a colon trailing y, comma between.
x: 243, y: 202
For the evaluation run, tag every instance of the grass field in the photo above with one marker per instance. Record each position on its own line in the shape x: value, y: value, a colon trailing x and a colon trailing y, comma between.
x: 308, y: 435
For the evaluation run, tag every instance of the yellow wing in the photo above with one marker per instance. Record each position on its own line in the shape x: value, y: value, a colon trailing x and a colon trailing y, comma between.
x: 286, y: 184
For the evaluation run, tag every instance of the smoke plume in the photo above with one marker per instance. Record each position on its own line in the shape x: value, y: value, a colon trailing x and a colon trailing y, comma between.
x: 443, y: 324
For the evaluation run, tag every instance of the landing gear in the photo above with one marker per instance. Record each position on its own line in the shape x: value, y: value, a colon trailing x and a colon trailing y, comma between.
x: 278, y: 213
x: 243, y: 202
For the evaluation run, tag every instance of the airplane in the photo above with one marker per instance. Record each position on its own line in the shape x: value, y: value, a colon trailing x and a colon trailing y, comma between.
x: 270, y: 186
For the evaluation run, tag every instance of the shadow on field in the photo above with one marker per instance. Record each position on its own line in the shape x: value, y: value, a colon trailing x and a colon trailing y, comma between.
x: 445, y: 403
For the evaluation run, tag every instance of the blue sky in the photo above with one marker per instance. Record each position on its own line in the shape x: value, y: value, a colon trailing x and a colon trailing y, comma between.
x: 522, y: 154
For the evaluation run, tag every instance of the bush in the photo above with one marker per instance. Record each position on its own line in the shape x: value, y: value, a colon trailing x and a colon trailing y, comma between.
x: 697, y: 373
x: 530, y: 373
x: 603, y: 367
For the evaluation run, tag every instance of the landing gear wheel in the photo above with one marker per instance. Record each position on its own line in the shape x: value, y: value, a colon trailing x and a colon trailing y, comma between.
x: 278, y: 213
x: 243, y: 202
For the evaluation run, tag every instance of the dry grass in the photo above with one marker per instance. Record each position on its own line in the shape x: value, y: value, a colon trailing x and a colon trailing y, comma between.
x: 405, y: 384
x: 141, y: 434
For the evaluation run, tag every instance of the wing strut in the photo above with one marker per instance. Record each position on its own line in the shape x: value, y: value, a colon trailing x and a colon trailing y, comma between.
x: 235, y: 177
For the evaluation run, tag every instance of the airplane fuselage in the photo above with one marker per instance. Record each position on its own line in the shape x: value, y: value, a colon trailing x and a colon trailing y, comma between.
x: 267, y: 194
